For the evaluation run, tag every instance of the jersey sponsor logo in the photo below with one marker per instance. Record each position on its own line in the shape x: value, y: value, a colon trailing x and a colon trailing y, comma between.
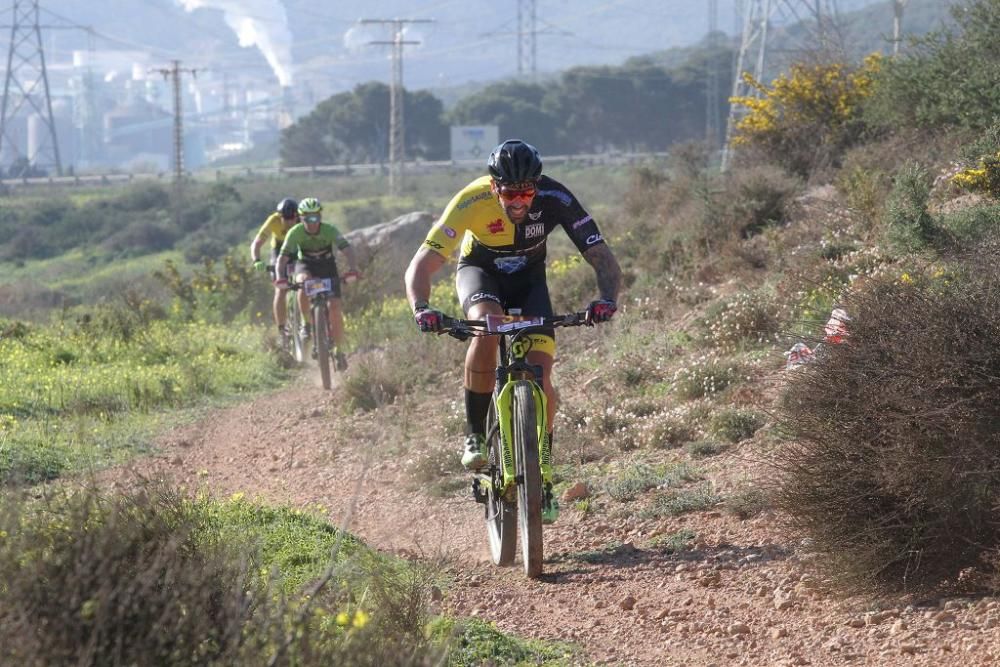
x: 581, y: 222
x: 466, y: 203
x: 448, y: 231
x: 565, y: 198
x: 594, y: 238
x: 434, y: 244
x: 495, y: 227
x: 483, y: 296
x: 510, y: 264
x: 534, y: 230
x: 535, y: 216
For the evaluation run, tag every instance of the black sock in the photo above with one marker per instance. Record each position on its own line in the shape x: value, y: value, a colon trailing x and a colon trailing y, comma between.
x: 477, y: 406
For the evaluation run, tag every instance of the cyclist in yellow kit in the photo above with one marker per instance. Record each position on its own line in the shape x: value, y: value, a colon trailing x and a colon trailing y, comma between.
x: 276, y: 226
x: 502, y: 221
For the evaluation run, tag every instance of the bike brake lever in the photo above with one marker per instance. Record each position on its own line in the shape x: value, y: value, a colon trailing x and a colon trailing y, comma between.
x: 460, y: 334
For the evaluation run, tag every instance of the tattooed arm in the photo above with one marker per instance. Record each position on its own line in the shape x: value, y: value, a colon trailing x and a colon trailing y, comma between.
x: 609, y: 274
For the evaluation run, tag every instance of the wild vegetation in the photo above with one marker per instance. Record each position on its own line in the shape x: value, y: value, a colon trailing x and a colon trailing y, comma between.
x: 880, y: 450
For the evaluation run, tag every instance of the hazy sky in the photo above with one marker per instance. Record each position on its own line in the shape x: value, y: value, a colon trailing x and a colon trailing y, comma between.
x: 468, y: 40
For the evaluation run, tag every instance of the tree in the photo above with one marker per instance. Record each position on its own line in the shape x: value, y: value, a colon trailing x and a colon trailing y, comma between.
x: 948, y: 78
x: 516, y: 108
x: 354, y: 127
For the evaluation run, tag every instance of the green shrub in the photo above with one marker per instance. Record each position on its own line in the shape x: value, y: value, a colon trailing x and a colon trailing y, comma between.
x: 747, y: 317
x: 633, y: 480
x: 746, y: 503
x: 703, y: 448
x: 680, y: 501
x: 973, y: 223
x: 673, y: 543
x: 910, y: 226
x: 760, y: 198
x: 947, y: 77
x: 736, y: 424
x: 703, y: 377
x: 864, y: 190
x: 892, y: 465
x: 152, y: 578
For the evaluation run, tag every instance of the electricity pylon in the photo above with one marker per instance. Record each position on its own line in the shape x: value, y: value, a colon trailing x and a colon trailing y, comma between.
x: 818, y: 34
x: 527, y: 51
x: 26, y: 87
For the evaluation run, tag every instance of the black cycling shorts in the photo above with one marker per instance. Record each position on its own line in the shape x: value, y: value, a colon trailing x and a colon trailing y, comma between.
x: 322, y: 267
x: 525, y: 289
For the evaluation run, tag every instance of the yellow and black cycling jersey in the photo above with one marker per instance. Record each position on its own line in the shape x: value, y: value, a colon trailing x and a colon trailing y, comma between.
x: 490, y: 240
x: 276, y: 228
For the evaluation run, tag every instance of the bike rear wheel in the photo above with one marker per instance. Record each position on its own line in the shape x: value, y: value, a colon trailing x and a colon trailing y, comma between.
x: 501, y: 516
x: 529, y: 476
x: 321, y: 340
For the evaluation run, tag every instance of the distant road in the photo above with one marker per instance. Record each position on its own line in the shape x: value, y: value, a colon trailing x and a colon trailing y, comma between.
x: 227, y: 173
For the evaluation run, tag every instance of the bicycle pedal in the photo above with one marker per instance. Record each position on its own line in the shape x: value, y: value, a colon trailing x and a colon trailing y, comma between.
x: 477, y: 492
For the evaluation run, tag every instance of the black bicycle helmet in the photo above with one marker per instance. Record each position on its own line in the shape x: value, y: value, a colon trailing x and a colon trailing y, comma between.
x: 288, y: 208
x: 514, y: 161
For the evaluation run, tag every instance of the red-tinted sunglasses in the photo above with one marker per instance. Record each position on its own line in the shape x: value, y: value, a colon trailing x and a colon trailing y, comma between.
x: 524, y: 193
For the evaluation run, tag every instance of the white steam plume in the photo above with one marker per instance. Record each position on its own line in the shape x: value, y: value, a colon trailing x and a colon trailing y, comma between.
x: 260, y: 23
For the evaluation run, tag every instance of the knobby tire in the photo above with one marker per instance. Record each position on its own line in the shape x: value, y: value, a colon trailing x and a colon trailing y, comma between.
x: 529, y: 473
x: 501, y: 516
x: 298, y: 347
x: 321, y: 323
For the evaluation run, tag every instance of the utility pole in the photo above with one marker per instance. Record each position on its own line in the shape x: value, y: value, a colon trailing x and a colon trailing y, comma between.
x: 397, y: 137
x: 822, y: 33
x: 897, y: 24
x: 174, y: 74
x: 527, y: 62
x: 712, y: 83
x: 26, y: 86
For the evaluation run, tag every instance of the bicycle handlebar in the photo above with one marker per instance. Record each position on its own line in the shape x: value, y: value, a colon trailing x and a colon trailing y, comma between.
x: 462, y: 329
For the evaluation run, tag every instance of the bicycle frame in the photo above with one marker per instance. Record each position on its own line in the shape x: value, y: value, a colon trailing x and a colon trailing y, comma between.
x: 510, y: 370
x: 514, y: 332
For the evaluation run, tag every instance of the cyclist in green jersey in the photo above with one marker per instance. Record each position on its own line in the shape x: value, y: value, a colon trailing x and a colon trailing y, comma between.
x: 276, y: 226
x: 311, y: 243
x: 501, y: 222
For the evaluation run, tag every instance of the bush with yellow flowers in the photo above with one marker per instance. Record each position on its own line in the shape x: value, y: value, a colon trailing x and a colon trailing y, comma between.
x: 984, y: 178
x: 808, y: 116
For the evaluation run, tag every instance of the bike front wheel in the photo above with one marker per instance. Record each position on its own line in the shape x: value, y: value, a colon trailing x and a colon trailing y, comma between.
x: 501, y: 515
x: 297, y: 346
x: 321, y: 340
x: 529, y: 477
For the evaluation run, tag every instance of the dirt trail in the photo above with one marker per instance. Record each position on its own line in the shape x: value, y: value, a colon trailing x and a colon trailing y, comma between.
x: 739, y: 597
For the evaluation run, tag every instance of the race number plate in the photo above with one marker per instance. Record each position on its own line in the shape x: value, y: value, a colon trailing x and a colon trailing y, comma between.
x: 315, y: 286
x: 505, y: 323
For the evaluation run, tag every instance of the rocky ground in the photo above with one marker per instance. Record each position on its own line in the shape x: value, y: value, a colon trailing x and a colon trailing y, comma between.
x: 738, y: 594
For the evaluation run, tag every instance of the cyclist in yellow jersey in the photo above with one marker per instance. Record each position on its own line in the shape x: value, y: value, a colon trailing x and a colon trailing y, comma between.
x: 501, y: 221
x: 276, y: 226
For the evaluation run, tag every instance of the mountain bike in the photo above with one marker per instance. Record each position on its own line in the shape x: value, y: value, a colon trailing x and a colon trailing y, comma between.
x: 510, y: 485
x: 292, y: 342
x: 318, y: 290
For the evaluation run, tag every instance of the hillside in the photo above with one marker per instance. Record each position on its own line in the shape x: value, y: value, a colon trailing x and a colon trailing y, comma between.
x: 782, y: 450
x: 672, y: 553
